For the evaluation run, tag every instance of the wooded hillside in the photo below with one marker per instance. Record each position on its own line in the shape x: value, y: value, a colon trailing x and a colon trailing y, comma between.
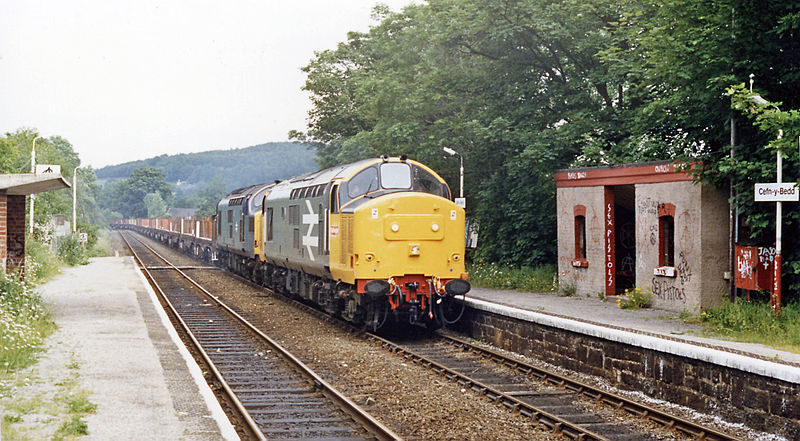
x: 190, y: 172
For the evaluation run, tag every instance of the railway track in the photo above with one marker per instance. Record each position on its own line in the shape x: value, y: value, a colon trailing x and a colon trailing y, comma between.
x: 562, y: 404
x: 274, y: 393
x: 548, y: 397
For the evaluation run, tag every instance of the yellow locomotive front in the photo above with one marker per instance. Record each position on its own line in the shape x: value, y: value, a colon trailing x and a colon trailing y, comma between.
x: 396, y: 237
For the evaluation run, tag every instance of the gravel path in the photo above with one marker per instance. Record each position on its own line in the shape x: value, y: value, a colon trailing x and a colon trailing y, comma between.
x: 112, y: 346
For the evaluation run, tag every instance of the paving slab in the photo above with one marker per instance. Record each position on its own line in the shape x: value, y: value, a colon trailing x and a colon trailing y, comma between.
x: 144, y: 382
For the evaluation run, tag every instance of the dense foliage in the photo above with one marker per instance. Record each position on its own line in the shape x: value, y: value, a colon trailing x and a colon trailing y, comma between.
x: 15, y: 156
x: 521, y: 88
x: 191, y: 173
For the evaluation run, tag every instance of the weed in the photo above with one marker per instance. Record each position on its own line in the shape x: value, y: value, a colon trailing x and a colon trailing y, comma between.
x: 635, y: 298
x: 73, y: 427
x: 80, y: 403
x: 756, y: 322
x: 567, y: 289
x: 24, y: 323
x: 12, y: 419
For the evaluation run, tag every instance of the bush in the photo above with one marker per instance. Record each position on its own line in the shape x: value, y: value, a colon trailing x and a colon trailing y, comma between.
x: 539, y: 279
x: 40, y: 263
x: 72, y: 252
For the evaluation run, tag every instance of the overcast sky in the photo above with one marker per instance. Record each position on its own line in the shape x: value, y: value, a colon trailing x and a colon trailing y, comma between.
x: 125, y: 80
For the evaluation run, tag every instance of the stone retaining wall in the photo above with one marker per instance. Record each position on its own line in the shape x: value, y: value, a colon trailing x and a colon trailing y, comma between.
x: 762, y: 403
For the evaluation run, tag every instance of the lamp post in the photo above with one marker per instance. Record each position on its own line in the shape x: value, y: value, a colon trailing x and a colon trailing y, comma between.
x: 452, y: 152
x: 74, y: 200
x: 776, y: 273
x: 33, y: 171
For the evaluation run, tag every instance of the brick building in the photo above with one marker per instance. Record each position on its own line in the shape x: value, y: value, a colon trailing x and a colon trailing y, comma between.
x: 643, y: 225
x: 13, y: 189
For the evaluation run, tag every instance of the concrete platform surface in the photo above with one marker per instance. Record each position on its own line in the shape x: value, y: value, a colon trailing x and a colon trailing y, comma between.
x: 651, y: 328
x: 144, y: 382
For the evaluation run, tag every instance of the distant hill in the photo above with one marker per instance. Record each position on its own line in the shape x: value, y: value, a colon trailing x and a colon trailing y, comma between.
x: 189, y: 172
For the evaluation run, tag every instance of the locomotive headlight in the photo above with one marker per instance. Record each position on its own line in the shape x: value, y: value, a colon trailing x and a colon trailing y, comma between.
x: 413, y: 250
x: 435, y: 227
x: 395, y: 227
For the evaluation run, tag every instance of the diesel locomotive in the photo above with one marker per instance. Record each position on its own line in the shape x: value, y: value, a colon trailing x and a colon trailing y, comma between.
x: 370, y: 241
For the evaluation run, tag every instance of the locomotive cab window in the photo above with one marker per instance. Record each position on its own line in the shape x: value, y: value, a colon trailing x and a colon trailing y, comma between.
x: 395, y: 175
x: 268, y: 221
x: 427, y: 183
x: 363, y: 182
x: 334, y: 203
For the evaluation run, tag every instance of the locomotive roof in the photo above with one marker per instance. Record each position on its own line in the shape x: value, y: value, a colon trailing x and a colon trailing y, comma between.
x: 246, y: 191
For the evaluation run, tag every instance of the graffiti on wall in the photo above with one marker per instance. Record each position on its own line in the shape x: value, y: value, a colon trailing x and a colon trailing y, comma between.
x: 685, y: 237
x: 744, y: 259
x: 648, y: 206
x: 683, y: 268
x: 665, y: 290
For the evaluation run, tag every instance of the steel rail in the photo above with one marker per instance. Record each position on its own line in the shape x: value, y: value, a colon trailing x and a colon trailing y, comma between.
x: 637, y: 409
x: 364, y: 419
x: 251, y: 424
x: 688, y: 427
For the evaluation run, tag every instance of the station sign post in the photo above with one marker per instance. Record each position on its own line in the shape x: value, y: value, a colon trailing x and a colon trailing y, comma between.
x: 777, y: 192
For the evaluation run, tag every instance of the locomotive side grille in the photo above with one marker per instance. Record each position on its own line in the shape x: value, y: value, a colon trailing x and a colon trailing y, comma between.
x: 346, y: 231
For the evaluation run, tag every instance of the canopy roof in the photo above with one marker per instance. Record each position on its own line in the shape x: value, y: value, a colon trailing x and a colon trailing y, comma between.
x: 28, y: 183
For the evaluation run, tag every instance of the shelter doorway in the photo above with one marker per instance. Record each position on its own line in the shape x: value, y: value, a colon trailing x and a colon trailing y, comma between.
x: 625, y: 237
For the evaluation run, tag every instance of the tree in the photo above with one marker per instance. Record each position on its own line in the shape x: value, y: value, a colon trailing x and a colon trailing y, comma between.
x: 127, y: 196
x: 155, y: 205
x: 15, y: 158
x: 210, y: 195
x: 514, y: 86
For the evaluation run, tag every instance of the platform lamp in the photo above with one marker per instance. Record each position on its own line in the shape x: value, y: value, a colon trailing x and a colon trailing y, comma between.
x: 74, y: 200
x: 33, y: 171
x: 776, y: 274
x: 452, y: 152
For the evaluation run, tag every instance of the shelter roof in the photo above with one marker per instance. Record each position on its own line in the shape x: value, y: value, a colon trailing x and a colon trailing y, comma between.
x: 28, y: 183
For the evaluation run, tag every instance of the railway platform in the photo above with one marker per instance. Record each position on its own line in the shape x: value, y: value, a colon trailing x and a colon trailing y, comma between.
x: 142, y: 378
x: 649, y: 352
x: 592, y: 314
x: 644, y: 327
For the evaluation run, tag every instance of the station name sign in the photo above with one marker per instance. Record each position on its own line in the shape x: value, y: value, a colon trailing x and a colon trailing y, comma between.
x: 774, y: 192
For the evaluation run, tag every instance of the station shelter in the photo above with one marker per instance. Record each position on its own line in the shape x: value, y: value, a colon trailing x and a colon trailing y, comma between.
x: 13, y: 189
x: 645, y: 225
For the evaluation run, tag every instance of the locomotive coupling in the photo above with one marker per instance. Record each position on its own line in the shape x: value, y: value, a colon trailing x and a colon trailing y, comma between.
x: 377, y: 288
x: 457, y: 287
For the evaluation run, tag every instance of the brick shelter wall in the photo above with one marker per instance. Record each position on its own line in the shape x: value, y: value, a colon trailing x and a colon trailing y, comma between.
x: 15, y: 225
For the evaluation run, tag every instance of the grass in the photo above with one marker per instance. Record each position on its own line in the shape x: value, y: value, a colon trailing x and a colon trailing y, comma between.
x: 42, y: 412
x: 491, y: 275
x: 24, y: 323
x: 75, y: 426
x: 102, y: 247
x: 755, y: 322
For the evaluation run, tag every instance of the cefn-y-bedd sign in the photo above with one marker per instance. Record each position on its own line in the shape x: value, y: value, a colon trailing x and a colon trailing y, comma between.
x: 774, y: 192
